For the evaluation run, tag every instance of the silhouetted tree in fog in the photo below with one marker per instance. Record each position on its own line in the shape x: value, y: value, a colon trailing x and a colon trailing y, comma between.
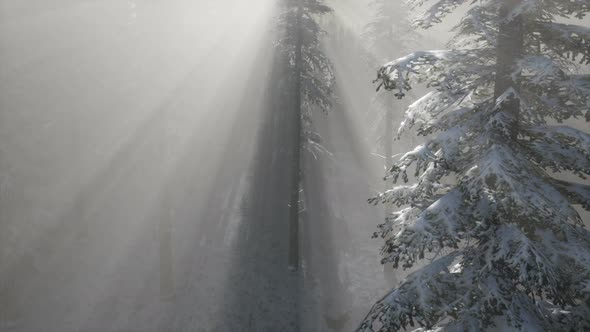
x: 309, y: 86
x: 388, y: 34
x: 504, y: 244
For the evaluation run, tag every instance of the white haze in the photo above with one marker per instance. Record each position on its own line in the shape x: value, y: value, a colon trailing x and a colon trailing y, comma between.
x: 118, y: 114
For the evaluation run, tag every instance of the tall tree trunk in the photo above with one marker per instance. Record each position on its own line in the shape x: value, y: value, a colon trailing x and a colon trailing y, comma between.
x: 166, y: 217
x: 77, y: 149
x: 388, y: 144
x: 390, y: 274
x: 166, y: 268
x: 10, y: 310
x: 297, y: 143
x: 509, y: 49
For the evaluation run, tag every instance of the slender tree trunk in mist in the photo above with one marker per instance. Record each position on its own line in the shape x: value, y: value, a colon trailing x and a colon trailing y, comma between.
x: 166, y: 216
x: 509, y: 50
x: 388, y: 144
x: 297, y: 143
x: 80, y: 205
x: 390, y: 274
x: 166, y: 268
x: 10, y: 310
x: 388, y: 147
x: 9, y: 301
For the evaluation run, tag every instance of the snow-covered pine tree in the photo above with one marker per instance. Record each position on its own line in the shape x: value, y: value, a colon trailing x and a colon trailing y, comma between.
x: 309, y: 85
x: 389, y: 34
x: 504, y: 245
x: 299, y: 42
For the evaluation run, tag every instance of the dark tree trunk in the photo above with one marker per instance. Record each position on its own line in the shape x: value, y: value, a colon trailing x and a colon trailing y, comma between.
x: 166, y: 217
x: 509, y: 49
x: 166, y: 257
x: 296, y: 153
x: 388, y: 144
x: 77, y: 149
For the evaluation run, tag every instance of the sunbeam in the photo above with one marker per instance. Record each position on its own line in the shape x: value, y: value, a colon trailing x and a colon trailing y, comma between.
x: 125, y: 93
x: 231, y: 165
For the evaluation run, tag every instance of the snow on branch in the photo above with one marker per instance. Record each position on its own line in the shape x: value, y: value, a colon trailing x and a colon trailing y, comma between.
x: 476, y: 29
x: 425, y: 110
x: 395, y: 75
x: 435, y: 13
x: 413, y: 231
x: 421, y: 156
x: 539, y: 69
x: 562, y: 101
x: 507, y: 181
x: 582, y: 82
x: 419, y: 300
x: 550, y: 90
x: 512, y: 248
x: 577, y: 193
x: 568, y: 40
x: 560, y: 148
x: 314, y: 142
x: 457, y: 70
x: 569, y: 8
x: 427, y: 188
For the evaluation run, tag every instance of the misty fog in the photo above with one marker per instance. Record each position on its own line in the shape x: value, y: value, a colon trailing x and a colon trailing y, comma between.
x: 145, y: 169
